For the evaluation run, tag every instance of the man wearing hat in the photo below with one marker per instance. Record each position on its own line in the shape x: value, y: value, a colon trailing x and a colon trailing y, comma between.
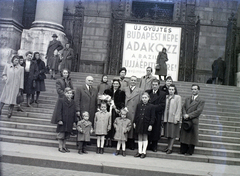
x: 124, y: 82
x: 52, y: 46
x: 191, y: 110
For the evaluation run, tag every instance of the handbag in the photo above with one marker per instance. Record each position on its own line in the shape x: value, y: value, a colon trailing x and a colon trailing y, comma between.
x: 42, y: 76
x: 158, y: 67
x: 187, y: 125
x: 20, y: 98
x: 34, y: 84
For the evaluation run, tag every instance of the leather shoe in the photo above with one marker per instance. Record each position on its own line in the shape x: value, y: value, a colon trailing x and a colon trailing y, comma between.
x: 66, y: 150
x: 61, y: 150
x: 9, y: 115
x: 124, y: 153
x: 143, y: 156
x: 188, y: 154
x: 84, y: 152
x: 80, y: 152
x: 169, y: 152
x: 31, y: 101
x: 137, y: 155
x: 117, y: 152
x: 20, y: 109
x: 36, y: 101
x: 154, y: 150
x: 165, y: 150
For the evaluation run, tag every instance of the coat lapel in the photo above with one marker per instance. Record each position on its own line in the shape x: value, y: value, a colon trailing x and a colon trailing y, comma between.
x: 193, y: 102
x: 133, y: 94
x: 86, y: 90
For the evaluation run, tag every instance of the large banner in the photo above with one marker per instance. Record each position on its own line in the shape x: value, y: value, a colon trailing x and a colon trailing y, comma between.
x: 142, y: 43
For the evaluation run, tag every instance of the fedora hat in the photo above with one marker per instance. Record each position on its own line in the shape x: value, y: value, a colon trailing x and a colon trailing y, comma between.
x: 55, y: 35
x: 187, y: 125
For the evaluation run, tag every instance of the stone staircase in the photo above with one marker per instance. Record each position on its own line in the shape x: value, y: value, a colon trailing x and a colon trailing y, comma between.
x: 219, y: 131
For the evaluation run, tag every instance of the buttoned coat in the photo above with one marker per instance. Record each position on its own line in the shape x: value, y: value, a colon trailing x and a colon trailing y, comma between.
x: 61, y: 84
x: 144, y: 116
x: 161, y: 61
x: 122, y: 127
x: 174, y: 113
x: 86, y: 102
x: 14, y: 82
x: 29, y: 77
x: 67, y: 57
x: 146, y: 82
x: 66, y: 112
x: 84, y: 130
x: 194, y: 110
x: 102, y: 123
x: 52, y: 46
x: 40, y: 84
x: 159, y: 102
x: 131, y: 101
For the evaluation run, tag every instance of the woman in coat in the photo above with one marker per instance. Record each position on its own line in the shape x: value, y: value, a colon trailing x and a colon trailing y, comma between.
x: 13, y: 75
x: 30, y: 77
x: 53, y: 64
x: 165, y: 87
x: 61, y: 84
x: 172, y: 116
x: 40, y: 84
x: 161, y: 66
x: 66, y: 117
x: 118, y: 97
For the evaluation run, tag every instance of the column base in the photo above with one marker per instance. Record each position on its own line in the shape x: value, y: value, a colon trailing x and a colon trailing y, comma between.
x: 37, y: 40
x: 45, y: 24
x: 238, y: 79
x: 10, y: 36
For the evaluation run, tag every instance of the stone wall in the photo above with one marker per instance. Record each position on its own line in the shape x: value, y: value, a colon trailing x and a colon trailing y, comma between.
x: 214, y: 16
x: 96, y: 35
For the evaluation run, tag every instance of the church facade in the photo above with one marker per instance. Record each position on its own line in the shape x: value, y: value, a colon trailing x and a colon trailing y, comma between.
x: 96, y: 31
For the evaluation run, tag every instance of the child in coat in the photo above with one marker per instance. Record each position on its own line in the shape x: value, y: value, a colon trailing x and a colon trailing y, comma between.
x: 102, y: 124
x: 84, y: 128
x: 143, y: 122
x: 122, y: 126
x: 65, y: 116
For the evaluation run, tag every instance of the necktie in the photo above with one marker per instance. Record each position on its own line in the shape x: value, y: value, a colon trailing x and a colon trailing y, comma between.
x: 90, y: 90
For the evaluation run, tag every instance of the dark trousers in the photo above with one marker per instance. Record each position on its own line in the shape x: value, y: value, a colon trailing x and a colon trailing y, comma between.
x: 82, y: 145
x: 187, y: 148
x: 131, y: 144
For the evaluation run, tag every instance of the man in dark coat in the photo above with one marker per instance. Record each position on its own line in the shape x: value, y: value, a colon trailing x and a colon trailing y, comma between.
x: 192, y: 108
x: 158, y: 99
x: 67, y: 57
x: 86, y: 99
x: 52, y: 46
x: 218, y: 71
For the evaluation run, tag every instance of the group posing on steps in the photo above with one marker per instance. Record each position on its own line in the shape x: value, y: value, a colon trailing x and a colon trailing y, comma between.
x: 118, y: 113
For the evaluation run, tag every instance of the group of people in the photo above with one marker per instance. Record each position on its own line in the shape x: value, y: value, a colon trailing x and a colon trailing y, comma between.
x: 22, y: 76
x: 124, y: 111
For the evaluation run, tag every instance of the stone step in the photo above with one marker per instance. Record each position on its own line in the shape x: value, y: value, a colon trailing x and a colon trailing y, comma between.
x: 72, y: 145
x: 219, y: 122
x: 219, y: 127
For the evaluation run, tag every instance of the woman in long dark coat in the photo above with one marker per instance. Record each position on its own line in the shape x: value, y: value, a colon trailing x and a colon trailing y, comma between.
x: 61, y: 84
x: 30, y: 76
x: 161, y: 66
x: 66, y: 117
x: 118, y: 97
x: 40, y: 84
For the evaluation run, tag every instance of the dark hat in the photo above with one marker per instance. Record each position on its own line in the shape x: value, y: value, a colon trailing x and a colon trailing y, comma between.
x: 187, y: 125
x: 123, y: 68
x: 55, y: 35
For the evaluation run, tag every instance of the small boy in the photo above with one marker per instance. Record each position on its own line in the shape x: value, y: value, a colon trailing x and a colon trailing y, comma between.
x: 84, y: 128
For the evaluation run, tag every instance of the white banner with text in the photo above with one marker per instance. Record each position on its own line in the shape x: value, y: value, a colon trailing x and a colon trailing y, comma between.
x: 142, y: 43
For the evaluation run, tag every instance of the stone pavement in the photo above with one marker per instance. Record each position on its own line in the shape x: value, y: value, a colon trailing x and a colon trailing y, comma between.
x: 23, y: 170
x: 49, y: 157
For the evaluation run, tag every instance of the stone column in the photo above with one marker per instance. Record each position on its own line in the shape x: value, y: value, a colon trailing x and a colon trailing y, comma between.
x: 238, y: 46
x: 48, y: 21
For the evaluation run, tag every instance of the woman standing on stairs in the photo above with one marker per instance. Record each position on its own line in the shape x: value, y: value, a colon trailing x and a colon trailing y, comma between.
x: 30, y: 76
x: 40, y: 84
x: 172, y: 116
x: 13, y: 75
x: 61, y: 84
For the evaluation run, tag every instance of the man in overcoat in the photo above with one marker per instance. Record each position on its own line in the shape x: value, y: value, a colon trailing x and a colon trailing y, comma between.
x: 191, y: 110
x: 52, y: 46
x: 146, y: 81
x: 86, y: 99
x: 133, y: 97
x: 158, y: 99
x: 67, y: 57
